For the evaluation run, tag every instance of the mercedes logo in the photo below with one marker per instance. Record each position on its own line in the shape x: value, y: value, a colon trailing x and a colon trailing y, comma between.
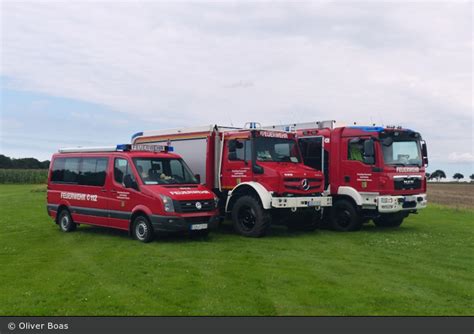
x: 198, y: 205
x: 305, y: 184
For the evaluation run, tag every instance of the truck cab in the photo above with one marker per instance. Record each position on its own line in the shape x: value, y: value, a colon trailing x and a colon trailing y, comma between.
x: 372, y: 172
x: 259, y: 175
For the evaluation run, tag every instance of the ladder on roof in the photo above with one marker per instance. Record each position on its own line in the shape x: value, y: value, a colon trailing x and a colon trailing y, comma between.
x: 301, y: 126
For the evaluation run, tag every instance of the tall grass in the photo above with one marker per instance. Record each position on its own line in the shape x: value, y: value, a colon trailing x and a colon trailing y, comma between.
x: 23, y: 176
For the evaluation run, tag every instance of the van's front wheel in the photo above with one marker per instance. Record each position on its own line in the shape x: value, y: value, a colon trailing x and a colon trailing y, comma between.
x: 142, y: 229
x: 66, y: 224
x: 249, y: 217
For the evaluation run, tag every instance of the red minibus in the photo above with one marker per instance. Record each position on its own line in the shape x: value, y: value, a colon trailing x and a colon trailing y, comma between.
x: 142, y: 189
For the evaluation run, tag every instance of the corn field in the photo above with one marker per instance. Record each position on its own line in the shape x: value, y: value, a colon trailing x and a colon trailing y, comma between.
x: 23, y: 175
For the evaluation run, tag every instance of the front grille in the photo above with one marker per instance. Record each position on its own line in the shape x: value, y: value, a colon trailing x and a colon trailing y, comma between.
x: 407, y: 183
x: 190, y: 206
x: 294, y: 183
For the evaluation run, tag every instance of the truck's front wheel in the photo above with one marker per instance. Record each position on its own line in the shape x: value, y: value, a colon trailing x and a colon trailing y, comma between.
x: 249, y: 217
x: 390, y: 219
x: 344, y: 216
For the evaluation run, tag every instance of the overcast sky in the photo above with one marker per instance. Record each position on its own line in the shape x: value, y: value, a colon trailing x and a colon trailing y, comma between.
x: 93, y: 73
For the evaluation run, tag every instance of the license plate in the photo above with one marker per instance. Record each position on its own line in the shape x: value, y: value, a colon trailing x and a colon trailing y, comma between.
x: 195, y: 227
x: 410, y: 198
x: 313, y: 203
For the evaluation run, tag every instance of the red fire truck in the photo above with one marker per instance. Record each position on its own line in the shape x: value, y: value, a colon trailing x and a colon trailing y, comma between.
x: 141, y: 189
x: 372, y: 172
x: 258, y: 175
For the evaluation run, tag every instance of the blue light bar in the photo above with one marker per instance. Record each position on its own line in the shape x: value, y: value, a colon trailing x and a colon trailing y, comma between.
x: 123, y: 147
x: 368, y: 128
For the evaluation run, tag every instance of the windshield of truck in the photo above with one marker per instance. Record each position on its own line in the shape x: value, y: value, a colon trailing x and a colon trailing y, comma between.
x: 402, y: 153
x: 276, y: 150
x: 163, y: 171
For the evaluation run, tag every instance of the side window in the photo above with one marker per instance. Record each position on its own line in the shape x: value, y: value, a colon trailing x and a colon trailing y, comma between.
x: 242, y: 150
x: 57, y: 170
x: 93, y: 171
x: 122, y: 169
x: 355, y: 149
x: 66, y: 170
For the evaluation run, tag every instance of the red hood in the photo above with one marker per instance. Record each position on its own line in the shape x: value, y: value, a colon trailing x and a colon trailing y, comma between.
x: 287, y: 177
x: 181, y: 192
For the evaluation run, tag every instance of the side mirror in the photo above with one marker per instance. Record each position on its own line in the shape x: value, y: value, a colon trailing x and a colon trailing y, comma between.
x: 232, y: 156
x: 232, y: 146
x: 424, y: 153
x: 128, y: 182
x: 198, y: 177
x: 369, y: 152
x: 257, y: 169
x: 387, y: 141
x: 369, y: 149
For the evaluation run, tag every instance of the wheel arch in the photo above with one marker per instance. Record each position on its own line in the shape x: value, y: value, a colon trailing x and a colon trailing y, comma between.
x: 61, y: 207
x: 349, y: 193
x: 139, y: 210
x: 249, y: 188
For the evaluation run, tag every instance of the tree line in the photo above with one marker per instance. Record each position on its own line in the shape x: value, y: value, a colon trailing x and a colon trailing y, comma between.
x: 440, y: 174
x: 22, y: 163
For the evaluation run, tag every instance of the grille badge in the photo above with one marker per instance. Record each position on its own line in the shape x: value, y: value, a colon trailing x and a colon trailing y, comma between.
x: 198, y: 205
x: 305, y: 184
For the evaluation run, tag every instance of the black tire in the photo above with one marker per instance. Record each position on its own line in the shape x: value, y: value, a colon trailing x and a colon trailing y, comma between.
x: 65, y: 222
x: 307, y: 221
x: 389, y: 220
x: 249, y: 218
x: 344, y: 216
x: 142, y: 229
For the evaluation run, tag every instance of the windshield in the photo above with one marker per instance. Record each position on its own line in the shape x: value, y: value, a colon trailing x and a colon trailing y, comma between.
x: 163, y: 171
x: 276, y: 150
x: 402, y: 153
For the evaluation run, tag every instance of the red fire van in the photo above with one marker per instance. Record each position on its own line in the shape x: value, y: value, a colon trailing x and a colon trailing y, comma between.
x: 138, y: 188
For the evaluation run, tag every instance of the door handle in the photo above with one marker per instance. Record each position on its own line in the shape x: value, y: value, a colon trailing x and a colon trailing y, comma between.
x: 113, y: 191
x: 103, y: 190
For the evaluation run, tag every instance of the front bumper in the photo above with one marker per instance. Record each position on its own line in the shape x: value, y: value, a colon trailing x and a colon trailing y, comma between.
x: 182, y: 224
x: 300, y: 202
x: 386, y: 204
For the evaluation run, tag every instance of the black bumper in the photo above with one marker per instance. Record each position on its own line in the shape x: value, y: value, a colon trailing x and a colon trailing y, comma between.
x: 181, y: 224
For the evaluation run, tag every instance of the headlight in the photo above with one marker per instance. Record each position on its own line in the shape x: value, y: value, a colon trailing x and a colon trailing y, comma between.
x: 167, y: 203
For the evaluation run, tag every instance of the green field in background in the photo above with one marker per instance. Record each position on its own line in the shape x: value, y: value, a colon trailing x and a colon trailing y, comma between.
x: 423, y: 268
x: 23, y: 176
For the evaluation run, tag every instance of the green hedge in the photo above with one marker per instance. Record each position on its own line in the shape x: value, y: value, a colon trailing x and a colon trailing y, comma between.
x: 23, y: 175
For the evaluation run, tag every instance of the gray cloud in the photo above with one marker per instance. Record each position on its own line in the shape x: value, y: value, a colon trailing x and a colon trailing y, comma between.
x: 391, y: 63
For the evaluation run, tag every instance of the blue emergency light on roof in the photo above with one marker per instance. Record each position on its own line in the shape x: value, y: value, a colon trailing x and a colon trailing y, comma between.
x: 368, y: 128
x: 252, y: 125
x: 123, y: 147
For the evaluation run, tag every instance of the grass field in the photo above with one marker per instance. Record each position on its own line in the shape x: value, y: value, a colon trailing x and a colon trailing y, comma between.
x: 423, y: 268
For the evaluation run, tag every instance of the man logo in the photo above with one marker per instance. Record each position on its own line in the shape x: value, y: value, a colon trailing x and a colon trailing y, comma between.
x: 305, y: 184
x: 198, y: 205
